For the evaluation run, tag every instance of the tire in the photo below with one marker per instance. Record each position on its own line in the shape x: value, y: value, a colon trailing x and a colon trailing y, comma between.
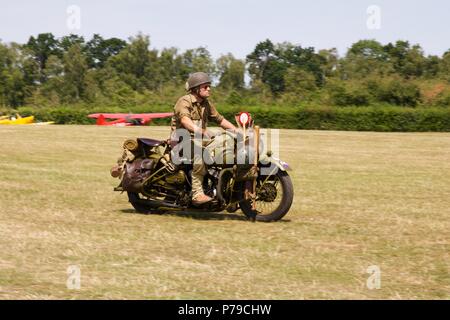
x: 282, y: 209
x: 134, y: 199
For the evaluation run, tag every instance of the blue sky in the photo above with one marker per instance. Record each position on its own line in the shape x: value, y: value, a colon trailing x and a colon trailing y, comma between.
x: 235, y: 26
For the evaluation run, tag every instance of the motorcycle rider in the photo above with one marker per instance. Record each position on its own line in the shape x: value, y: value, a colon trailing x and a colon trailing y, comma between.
x: 192, y: 112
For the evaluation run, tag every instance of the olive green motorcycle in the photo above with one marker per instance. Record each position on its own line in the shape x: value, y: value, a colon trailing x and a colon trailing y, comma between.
x: 260, y: 186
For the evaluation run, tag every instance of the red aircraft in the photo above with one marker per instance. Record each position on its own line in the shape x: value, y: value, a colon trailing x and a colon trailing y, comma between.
x: 127, y: 119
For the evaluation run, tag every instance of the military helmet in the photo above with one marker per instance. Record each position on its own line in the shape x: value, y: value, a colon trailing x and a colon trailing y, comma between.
x: 196, y: 79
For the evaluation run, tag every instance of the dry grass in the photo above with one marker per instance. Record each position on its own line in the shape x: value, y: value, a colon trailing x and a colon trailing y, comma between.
x: 361, y: 199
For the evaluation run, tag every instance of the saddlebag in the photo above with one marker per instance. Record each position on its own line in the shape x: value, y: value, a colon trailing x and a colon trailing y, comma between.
x: 135, y: 174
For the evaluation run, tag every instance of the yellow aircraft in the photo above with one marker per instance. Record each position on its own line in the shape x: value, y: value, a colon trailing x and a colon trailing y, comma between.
x: 17, y: 120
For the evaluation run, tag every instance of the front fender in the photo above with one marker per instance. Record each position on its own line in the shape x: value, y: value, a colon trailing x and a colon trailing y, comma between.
x: 270, y: 163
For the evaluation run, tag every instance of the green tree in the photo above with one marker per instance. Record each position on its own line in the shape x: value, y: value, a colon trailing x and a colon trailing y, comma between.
x: 303, y: 58
x: 99, y: 50
x: 331, y: 61
x: 170, y: 68
x: 269, y: 63
x: 50, y: 92
x: 432, y: 66
x: 18, y: 74
x: 300, y: 82
x: 444, y: 66
x: 66, y: 42
x: 265, y: 65
x: 198, y: 59
x: 136, y: 65
x: 42, y: 47
x: 407, y: 61
x: 28, y: 65
x: 394, y: 90
x: 369, y: 49
x: 75, y: 71
x: 347, y: 93
x: 365, y: 58
x: 230, y: 72
x: 300, y: 86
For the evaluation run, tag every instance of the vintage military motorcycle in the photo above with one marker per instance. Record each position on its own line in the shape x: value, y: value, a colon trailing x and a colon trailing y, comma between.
x: 260, y: 185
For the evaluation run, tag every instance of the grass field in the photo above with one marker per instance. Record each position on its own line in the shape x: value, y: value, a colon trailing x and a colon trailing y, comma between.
x: 361, y: 199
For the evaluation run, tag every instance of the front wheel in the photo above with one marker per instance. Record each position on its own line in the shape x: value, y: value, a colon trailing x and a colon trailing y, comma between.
x: 274, y: 196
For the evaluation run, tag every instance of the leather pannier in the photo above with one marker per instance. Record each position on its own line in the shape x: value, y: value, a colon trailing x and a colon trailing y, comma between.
x: 135, y: 174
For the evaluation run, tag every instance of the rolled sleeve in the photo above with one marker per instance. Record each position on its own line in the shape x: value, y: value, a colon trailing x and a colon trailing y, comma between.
x: 214, y: 115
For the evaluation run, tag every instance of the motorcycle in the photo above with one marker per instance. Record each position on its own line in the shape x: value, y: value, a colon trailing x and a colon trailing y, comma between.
x: 155, y: 183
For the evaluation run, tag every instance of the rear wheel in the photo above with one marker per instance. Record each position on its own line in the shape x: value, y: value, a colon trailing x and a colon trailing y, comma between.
x: 274, y: 196
x: 139, y: 204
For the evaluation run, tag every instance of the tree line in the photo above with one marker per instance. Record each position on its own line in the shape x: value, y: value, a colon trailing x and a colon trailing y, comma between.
x: 49, y: 72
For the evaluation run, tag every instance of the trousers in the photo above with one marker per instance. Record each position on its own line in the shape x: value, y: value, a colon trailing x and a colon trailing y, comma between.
x: 219, y: 150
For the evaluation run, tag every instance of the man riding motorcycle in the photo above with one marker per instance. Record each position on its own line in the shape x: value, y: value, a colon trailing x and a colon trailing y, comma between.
x: 228, y: 171
x: 192, y: 112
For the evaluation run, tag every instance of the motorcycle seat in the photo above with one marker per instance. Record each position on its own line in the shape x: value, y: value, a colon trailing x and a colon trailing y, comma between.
x: 151, y: 142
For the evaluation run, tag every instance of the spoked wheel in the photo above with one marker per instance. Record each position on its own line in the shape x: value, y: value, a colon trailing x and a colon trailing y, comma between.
x: 274, y: 196
x: 139, y: 204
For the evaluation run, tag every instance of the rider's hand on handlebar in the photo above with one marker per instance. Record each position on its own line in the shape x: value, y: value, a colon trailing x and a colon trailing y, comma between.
x: 207, y: 134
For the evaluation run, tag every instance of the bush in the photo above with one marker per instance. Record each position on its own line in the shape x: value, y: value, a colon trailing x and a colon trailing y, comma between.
x: 60, y: 115
x: 374, y: 118
x: 349, y: 94
x: 443, y: 99
x: 234, y: 98
x: 379, y: 119
x: 395, y: 91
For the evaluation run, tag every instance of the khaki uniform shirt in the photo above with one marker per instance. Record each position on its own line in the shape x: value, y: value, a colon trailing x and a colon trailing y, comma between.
x: 199, y: 112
